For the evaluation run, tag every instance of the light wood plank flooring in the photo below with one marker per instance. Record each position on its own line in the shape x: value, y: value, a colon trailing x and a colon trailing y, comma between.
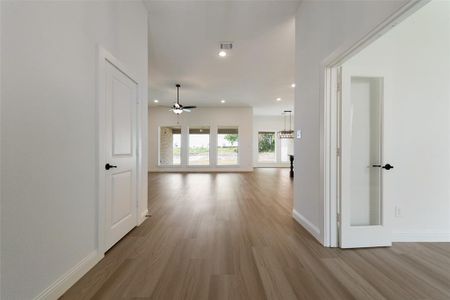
x: 231, y: 236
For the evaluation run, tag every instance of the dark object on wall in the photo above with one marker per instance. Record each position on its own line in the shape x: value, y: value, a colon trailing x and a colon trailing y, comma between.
x: 291, y: 159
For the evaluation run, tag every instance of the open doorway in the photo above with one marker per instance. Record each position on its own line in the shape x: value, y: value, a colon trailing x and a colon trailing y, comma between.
x: 391, y: 114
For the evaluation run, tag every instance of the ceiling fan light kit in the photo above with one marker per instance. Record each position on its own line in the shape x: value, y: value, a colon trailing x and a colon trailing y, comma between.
x: 177, y: 108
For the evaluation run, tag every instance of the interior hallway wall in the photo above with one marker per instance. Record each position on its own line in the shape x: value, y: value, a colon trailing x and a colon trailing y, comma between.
x: 321, y: 29
x: 48, y: 132
x: 415, y: 55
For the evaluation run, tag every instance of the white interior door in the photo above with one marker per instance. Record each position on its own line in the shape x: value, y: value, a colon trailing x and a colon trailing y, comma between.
x: 363, y: 206
x: 121, y: 155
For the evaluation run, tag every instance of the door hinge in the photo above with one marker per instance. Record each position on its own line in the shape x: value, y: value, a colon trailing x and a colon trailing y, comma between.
x: 338, y: 151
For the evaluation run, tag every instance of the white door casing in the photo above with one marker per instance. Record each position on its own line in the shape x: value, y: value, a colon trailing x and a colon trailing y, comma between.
x: 364, y: 202
x: 330, y: 65
x: 118, y: 147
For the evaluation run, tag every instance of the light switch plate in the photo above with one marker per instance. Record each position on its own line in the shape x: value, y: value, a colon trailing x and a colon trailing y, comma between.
x: 299, y: 134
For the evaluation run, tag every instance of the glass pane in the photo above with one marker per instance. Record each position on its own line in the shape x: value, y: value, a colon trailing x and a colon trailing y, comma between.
x: 365, y: 152
x: 199, y: 146
x: 266, y: 147
x: 227, y: 146
x: 286, y: 149
x: 170, y: 146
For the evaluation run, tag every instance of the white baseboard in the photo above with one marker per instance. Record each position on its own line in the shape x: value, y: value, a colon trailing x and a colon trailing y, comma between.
x: 310, y: 227
x: 420, y: 236
x: 62, y: 284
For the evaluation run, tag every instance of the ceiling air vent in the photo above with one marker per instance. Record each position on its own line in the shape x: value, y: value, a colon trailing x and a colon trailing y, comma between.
x: 226, y: 45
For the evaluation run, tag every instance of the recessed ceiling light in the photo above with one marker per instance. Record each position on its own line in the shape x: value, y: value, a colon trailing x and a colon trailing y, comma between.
x: 222, y: 53
x: 293, y: 85
x: 222, y: 101
x: 156, y: 100
x: 278, y: 99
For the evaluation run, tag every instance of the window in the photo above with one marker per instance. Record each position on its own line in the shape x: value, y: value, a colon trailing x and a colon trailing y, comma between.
x: 199, y: 146
x: 266, y: 147
x: 170, y: 146
x: 286, y: 146
x: 227, y: 146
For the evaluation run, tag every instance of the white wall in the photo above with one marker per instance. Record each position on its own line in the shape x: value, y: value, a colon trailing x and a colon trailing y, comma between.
x: 415, y: 54
x: 48, y: 130
x: 322, y: 29
x: 269, y: 123
x: 204, y: 116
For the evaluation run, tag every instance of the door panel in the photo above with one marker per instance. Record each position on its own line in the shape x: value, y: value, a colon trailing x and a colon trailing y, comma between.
x: 121, y: 132
x: 365, y: 150
x: 122, y: 119
x: 363, y: 210
x: 122, y: 191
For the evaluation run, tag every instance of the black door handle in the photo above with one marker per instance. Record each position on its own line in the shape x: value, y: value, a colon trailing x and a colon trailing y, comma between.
x: 108, y: 166
x: 386, y: 166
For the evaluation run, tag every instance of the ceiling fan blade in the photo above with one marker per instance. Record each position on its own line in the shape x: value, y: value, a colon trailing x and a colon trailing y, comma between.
x: 188, y: 110
x: 190, y: 106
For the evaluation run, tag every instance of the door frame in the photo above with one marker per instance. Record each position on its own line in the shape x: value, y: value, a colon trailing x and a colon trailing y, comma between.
x: 330, y: 147
x: 106, y: 57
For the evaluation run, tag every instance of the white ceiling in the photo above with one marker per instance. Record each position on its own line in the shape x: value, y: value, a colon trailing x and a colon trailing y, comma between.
x: 184, y: 40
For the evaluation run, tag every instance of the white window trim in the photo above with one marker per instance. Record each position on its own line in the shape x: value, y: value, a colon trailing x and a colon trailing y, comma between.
x: 238, y: 146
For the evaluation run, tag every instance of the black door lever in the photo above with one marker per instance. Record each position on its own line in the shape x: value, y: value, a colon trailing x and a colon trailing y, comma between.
x: 108, y: 166
x: 386, y: 166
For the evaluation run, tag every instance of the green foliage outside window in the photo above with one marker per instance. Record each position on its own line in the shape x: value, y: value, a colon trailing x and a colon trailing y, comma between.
x: 231, y: 138
x: 266, y: 142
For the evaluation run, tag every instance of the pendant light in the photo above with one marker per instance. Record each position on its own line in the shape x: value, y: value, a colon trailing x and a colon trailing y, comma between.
x: 287, y: 134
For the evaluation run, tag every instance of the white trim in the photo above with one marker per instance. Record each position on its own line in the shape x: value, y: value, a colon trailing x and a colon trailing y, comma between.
x: 350, y: 49
x: 238, y: 147
x: 328, y: 136
x: 307, y: 224
x: 63, y: 283
x: 421, y: 236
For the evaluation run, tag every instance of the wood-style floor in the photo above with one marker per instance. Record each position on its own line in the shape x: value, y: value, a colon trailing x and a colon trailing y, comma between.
x: 231, y: 236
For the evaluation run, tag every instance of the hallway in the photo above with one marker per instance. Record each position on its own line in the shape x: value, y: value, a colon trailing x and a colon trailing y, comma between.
x: 231, y: 236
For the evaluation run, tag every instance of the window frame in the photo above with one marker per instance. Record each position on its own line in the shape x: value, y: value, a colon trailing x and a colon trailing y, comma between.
x: 238, y: 163
x: 159, y: 147
x: 188, y: 164
x: 275, y: 150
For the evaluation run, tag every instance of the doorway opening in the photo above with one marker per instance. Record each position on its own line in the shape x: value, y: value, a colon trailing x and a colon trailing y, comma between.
x: 120, y: 169
x: 387, y: 122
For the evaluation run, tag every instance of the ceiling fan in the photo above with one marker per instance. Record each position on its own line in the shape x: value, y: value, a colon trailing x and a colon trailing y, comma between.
x: 177, y: 108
